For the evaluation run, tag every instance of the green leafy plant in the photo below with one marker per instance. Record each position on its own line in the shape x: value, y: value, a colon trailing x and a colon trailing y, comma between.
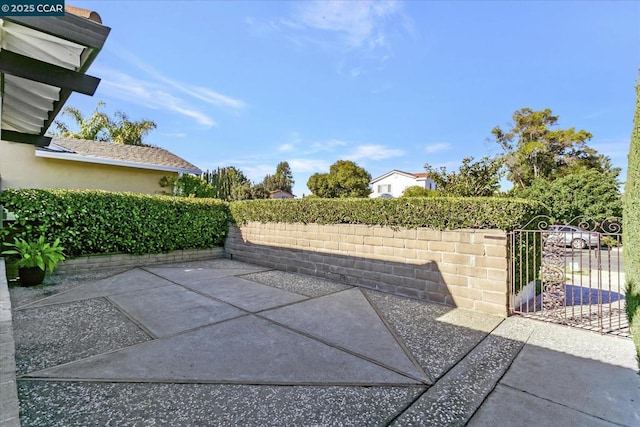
x: 609, y: 241
x: 100, y: 222
x: 36, y: 254
x: 439, y: 213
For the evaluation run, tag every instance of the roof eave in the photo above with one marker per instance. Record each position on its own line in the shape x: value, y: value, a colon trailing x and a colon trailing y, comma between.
x: 74, y: 157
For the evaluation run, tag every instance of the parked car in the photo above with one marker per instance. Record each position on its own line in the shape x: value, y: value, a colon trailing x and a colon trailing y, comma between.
x: 575, y: 237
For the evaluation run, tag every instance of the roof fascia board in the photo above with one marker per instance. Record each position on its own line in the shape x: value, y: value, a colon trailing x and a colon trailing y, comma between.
x: 43, y: 72
x: 25, y: 138
x: 395, y: 171
x: 68, y: 27
x: 112, y: 162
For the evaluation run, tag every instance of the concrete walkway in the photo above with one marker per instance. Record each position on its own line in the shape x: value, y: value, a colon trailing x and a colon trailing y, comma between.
x: 220, y: 342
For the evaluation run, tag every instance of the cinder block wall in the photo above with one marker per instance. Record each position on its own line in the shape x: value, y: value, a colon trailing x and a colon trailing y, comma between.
x: 462, y: 268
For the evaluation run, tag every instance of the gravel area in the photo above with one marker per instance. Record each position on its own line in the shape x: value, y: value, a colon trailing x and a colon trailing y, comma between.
x: 126, y: 404
x: 298, y: 283
x: 56, y: 334
x: 57, y: 283
x: 436, y: 343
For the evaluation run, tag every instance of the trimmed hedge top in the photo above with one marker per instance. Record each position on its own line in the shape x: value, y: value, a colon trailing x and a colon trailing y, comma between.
x: 433, y: 212
x: 94, y: 222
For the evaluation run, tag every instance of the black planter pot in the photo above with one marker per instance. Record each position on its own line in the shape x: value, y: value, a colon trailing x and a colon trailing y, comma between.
x: 31, y: 276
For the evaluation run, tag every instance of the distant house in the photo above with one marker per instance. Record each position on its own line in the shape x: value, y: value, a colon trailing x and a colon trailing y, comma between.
x: 280, y: 194
x: 393, y: 183
x: 95, y: 165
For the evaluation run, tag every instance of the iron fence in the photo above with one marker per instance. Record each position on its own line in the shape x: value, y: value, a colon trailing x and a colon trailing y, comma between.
x: 569, y: 273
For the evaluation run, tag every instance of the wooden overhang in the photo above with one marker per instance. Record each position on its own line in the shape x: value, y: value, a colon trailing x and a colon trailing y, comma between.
x: 43, y: 60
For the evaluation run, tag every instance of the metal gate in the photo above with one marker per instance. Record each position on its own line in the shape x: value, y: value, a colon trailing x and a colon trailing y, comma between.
x: 569, y: 273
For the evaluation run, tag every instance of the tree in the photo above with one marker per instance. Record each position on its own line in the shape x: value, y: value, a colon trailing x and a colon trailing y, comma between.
x: 631, y: 229
x: 532, y: 150
x: 223, y: 180
x: 345, y: 179
x: 101, y: 127
x: 92, y: 128
x: 124, y: 131
x: 591, y: 194
x: 282, y: 180
x: 417, y: 191
x: 481, y: 178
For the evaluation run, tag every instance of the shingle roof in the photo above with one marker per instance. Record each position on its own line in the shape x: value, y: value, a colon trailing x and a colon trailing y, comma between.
x: 129, y: 154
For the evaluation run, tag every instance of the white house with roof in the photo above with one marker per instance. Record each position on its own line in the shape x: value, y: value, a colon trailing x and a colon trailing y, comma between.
x: 393, y: 183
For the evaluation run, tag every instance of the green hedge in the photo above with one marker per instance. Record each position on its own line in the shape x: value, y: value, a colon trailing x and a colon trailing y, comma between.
x: 433, y: 212
x: 95, y: 222
x: 631, y: 228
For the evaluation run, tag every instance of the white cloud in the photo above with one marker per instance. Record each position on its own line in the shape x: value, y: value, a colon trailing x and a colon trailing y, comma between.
x: 149, y: 94
x: 374, y: 152
x: 286, y: 147
x: 309, y: 165
x: 327, y: 145
x: 198, y: 92
x: 434, y: 148
x: 358, y: 23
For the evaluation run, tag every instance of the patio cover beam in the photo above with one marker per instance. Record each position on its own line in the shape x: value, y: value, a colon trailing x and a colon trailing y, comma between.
x: 43, y: 72
x: 68, y: 27
x: 25, y: 138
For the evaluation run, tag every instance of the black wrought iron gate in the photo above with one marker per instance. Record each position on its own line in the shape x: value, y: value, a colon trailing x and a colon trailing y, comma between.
x: 569, y: 273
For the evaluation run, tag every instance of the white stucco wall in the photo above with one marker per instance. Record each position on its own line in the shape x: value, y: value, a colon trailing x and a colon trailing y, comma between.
x: 396, y: 183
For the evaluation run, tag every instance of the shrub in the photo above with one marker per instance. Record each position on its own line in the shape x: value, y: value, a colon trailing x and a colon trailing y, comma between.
x: 433, y: 212
x: 631, y: 228
x: 93, y: 222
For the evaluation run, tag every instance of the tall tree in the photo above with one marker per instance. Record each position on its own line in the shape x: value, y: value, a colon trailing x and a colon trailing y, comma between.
x: 481, y: 178
x: 223, y: 180
x: 282, y: 180
x: 100, y: 127
x: 631, y: 228
x: 591, y: 194
x: 533, y: 150
x: 345, y: 179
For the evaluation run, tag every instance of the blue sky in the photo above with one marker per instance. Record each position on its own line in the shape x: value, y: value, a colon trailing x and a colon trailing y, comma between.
x: 389, y: 85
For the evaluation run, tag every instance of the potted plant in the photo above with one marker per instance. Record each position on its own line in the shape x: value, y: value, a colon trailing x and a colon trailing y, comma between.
x: 35, y: 258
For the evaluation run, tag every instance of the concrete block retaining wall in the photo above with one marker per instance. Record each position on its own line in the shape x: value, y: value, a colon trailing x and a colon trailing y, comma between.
x: 462, y: 268
x: 126, y: 260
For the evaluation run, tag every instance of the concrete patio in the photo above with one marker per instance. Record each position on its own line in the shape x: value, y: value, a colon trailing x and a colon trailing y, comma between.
x: 220, y: 342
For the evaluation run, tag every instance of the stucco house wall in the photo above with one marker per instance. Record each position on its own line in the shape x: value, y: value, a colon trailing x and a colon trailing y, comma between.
x: 20, y: 168
x: 395, y: 182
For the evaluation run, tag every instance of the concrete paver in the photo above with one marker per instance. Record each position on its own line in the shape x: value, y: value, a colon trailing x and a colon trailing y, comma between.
x: 199, y: 275
x: 346, y: 319
x: 168, y: 310
x: 247, y: 350
x: 128, y: 281
x: 579, y: 370
x: 245, y: 294
x: 509, y: 407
